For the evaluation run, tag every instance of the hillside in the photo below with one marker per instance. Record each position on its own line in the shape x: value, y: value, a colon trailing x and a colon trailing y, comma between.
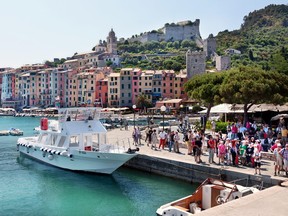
x: 262, y: 40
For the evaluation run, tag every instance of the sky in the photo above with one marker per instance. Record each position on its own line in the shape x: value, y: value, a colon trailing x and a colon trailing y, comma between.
x: 33, y: 31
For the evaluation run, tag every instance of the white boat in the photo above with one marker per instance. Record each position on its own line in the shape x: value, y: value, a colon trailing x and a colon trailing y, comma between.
x: 76, y: 141
x: 4, y: 132
x: 210, y: 193
x: 15, y: 132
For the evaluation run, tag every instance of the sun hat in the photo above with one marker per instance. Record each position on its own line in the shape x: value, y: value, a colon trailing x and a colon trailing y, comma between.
x: 278, y: 145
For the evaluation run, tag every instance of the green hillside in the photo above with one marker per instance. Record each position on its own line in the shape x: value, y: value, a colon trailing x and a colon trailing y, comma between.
x: 262, y: 39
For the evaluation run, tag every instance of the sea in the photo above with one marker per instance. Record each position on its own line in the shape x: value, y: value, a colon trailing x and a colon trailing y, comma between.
x: 30, y: 188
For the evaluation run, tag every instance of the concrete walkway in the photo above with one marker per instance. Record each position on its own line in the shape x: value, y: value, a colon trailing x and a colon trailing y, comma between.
x: 267, y: 168
x: 268, y: 202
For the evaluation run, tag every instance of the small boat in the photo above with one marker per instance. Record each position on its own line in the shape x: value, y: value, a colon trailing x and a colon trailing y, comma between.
x: 16, y: 132
x: 210, y: 193
x: 76, y: 141
x: 4, y: 132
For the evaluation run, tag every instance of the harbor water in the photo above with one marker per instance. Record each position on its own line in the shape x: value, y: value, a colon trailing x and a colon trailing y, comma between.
x: 31, y: 188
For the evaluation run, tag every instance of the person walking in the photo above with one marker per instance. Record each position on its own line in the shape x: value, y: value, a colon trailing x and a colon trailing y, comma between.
x: 171, y: 141
x: 211, y: 145
x: 278, y: 161
x: 154, y: 140
x: 176, y: 144
x: 257, y: 160
x: 163, y: 137
x: 284, y: 155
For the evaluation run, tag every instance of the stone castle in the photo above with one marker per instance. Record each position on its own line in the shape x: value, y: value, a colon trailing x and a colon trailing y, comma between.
x: 185, y: 30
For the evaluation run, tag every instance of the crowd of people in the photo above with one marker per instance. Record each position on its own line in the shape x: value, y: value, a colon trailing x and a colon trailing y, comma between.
x: 241, y: 145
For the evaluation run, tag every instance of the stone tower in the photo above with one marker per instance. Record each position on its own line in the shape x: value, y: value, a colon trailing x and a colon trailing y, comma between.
x: 112, y: 42
x: 223, y: 63
x: 195, y: 63
x: 210, y: 46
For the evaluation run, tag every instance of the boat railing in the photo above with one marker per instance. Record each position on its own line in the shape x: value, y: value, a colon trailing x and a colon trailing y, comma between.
x: 120, y: 144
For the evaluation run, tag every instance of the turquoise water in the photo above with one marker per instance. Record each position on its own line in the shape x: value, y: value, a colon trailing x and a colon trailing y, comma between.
x: 30, y: 188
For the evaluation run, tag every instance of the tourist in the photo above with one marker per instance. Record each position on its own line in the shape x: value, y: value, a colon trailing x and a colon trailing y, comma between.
x: 234, y: 152
x: 234, y: 130
x: 135, y: 135
x: 149, y: 138
x: 211, y: 145
x: 163, y: 137
x: 176, y: 144
x: 228, y: 155
x: 188, y: 143
x: 257, y: 160
x: 249, y: 154
x: 284, y: 155
x: 139, y: 135
x: 278, y: 162
x: 121, y: 123
x: 154, y: 139
x: 147, y: 135
x: 221, y: 152
x: 171, y: 141
x: 284, y: 133
x: 242, y: 151
x: 198, y: 147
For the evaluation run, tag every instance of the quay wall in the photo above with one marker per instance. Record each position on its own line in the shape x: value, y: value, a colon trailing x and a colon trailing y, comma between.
x: 195, y: 173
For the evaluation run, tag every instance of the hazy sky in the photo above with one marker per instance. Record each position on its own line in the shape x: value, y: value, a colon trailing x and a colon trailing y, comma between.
x: 32, y: 31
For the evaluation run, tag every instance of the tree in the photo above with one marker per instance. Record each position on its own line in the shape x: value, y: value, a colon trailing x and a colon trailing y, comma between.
x: 205, y: 88
x: 249, y: 85
x: 143, y: 101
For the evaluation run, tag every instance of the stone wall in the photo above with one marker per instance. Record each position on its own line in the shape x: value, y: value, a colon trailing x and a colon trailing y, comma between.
x: 194, y: 172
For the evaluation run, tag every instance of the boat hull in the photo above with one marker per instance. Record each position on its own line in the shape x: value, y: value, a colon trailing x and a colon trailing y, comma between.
x: 96, y: 162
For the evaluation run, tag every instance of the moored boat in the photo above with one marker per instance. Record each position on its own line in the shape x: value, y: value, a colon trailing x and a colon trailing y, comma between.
x: 15, y: 132
x: 4, y: 132
x: 209, y: 194
x: 76, y: 141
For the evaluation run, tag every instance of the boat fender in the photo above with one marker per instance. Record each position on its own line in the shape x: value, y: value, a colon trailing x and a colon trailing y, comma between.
x: 70, y: 155
x: 50, y: 157
x: 53, y: 151
x: 45, y: 149
x: 49, y: 150
x: 220, y: 200
x: 64, y: 153
x: 57, y: 152
x: 44, y: 154
x: 29, y: 146
x: 41, y: 149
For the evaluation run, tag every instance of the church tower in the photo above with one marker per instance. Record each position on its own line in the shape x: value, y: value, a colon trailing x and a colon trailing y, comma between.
x: 112, y: 43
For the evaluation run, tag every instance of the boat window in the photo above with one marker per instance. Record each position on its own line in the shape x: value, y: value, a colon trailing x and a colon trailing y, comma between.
x: 53, y: 139
x: 42, y: 138
x: 61, y: 141
x: 87, y: 140
x: 74, y: 141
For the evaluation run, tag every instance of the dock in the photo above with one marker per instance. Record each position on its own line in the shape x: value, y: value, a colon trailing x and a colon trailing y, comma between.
x: 270, y: 201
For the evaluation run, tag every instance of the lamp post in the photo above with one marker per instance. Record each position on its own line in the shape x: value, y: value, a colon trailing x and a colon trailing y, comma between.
x: 163, y: 109
x: 134, y: 107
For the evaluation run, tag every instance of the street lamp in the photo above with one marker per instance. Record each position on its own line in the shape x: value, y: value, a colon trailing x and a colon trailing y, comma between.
x: 134, y: 107
x: 163, y: 109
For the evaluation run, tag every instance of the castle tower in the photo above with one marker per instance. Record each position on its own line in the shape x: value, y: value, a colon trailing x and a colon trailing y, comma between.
x: 210, y: 46
x: 195, y: 63
x: 112, y: 42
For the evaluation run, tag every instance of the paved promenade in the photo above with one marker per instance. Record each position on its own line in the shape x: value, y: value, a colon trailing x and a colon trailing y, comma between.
x: 269, y: 202
x: 267, y: 168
